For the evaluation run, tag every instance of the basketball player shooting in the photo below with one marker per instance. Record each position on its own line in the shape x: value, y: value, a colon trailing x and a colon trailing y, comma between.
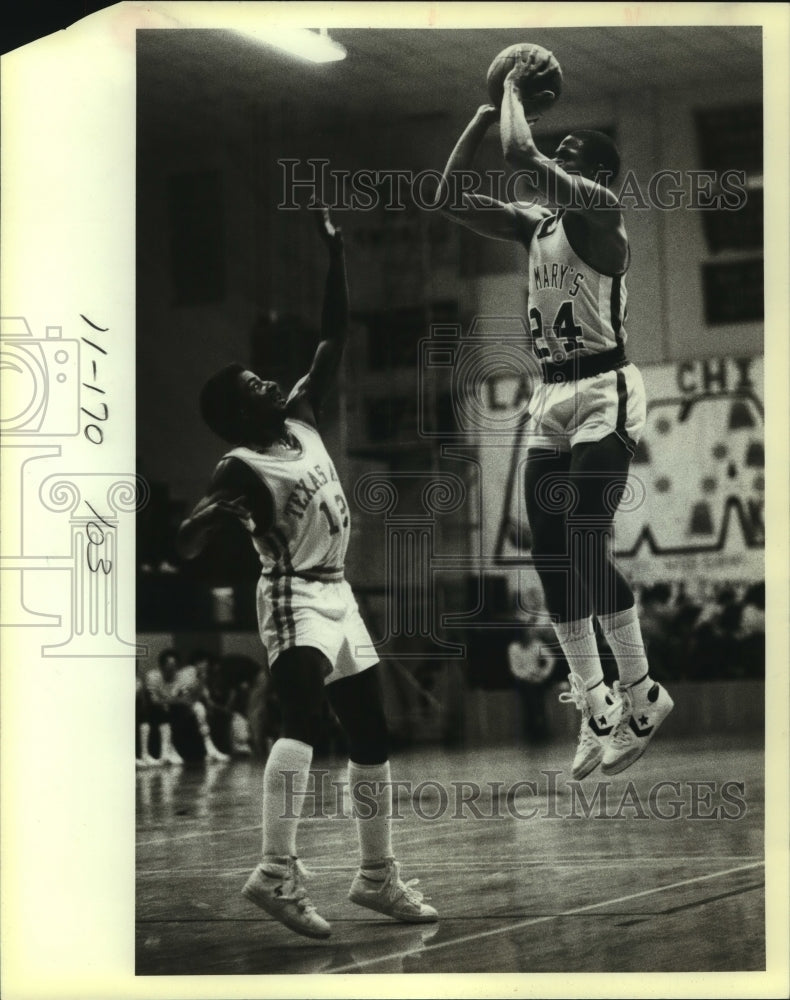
x: 589, y: 411
x: 280, y: 482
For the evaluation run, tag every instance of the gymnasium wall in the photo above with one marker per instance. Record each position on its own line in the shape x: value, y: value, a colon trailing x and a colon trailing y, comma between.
x: 273, y: 267
x: 273, y: 263
x: 454, y: 711
x: 666, y: 322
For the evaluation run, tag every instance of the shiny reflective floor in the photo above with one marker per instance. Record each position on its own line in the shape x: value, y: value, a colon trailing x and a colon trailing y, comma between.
x: 656, y: 869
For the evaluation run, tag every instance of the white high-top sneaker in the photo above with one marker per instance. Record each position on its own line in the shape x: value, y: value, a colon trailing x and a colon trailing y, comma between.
x: 594, y: 729
x: 644, y: 708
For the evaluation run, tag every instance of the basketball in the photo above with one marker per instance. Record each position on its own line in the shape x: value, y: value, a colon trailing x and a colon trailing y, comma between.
x: 546, y: 75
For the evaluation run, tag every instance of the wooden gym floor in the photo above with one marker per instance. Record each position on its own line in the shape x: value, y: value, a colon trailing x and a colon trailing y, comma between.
x: 618, y: 890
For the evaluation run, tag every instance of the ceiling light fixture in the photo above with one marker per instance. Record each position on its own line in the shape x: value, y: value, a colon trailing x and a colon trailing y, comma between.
x: 314, y: 46
x: 246, y: 20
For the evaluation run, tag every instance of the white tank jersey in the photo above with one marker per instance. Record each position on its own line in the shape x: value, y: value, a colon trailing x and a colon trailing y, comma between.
x: 574, y: 310
x: 311, y: 516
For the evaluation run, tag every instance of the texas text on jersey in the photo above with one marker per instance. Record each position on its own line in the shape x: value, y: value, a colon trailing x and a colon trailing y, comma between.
x: 310, y: 531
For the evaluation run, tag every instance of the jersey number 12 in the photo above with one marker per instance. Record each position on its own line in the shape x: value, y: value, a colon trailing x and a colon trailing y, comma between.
x: 334, y: 528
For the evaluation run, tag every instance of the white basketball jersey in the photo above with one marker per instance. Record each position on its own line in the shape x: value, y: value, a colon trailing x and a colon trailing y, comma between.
x: 311, y: 516
x: 573, y: 309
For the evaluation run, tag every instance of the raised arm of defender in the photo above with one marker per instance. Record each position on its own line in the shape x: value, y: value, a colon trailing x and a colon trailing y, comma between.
x: 334, y: 320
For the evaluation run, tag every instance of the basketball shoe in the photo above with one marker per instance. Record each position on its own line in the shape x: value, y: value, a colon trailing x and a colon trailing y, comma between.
x: 214, y: 755
x: 594, y: 729
x: 645, y: 705
x: 169, y: 754
x: 392, y: 896
x: 279, y: 890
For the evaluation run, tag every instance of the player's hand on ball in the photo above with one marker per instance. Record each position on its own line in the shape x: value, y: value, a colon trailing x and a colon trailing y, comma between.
x: 523, y: 66
x: 331, y: 235
x: 532, y: 69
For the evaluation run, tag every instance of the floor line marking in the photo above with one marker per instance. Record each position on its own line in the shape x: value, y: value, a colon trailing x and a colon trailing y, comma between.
x: 410, y: 835
x: 514, y: 865
x: 541, y: 920
x: 196, y: 833
x: 696, y: 902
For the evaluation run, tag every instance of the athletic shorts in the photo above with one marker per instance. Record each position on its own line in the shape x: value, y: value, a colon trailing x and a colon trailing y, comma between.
x: 563, y: 414
x: 293, y: 611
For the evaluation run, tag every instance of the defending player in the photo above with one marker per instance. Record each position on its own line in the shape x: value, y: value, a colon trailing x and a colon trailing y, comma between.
x: 587, y: 415
x: 280, y: 482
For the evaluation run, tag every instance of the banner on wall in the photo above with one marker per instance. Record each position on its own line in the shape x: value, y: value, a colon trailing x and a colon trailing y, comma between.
x: 694, y: 507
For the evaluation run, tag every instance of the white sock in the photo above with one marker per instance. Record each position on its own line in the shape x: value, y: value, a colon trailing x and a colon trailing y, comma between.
x: 577, y: 640
x: 282, y: 796
x: 166, y: 737
x: 624, y: 635
x: 596, y: 698
x: 371, y: 802
x: 199, y: 710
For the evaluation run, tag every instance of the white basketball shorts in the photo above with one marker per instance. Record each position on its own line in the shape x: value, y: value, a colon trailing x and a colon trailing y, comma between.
x: 567, y: 413
x: 293, y: 611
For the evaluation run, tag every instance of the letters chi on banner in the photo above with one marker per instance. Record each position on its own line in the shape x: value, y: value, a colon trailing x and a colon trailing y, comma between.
x: 694, y: 507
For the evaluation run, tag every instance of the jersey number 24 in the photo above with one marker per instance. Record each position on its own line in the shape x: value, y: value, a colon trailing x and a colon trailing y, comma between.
x: 561, y: 338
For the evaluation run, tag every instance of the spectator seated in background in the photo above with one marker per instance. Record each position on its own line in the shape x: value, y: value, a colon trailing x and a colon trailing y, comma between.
x: 751, y: 631
x: 189, y: 690
x: 531, y: 663
x: 656, y: 607
x: 753, y: 612
x: 228, y: 687
x: 728, y: 620
x: 713, y: 652
x: 233, y: 683
x: 718, y: 637
x: 142, y: 758
x: 264, y: 714
x: 240, y: 735
x: 153, y: 712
